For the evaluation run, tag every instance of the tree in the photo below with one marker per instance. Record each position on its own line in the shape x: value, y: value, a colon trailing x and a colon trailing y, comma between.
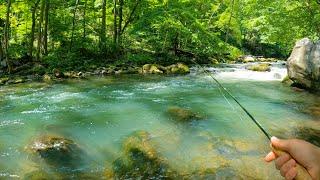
x: 73, y: 23
x: 46, y: 23
x: 33, y: 11
x: 40, y: 32
x: 84, y: 19
x: 103, y: 27
x: 6, y: 36
x: 115, y: 31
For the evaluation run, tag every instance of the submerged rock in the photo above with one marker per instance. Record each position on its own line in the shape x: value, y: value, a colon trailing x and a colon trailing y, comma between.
x: 304, y: 64
x: 259, y: 67
x: 309, y: 134
x: 183, y: 115
x: 140, y: 160
x: 39, y: 175
x: 57, y: 151
x: 314, y: 110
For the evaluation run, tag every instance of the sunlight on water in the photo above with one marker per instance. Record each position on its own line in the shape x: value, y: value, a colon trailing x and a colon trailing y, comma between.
x: 100, y: 113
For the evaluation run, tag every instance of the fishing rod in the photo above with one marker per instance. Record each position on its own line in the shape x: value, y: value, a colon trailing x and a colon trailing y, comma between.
x: 302, y: 172
x: 236, y: 100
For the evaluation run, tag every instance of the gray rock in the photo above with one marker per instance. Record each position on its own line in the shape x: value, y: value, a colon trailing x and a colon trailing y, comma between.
x: 304, y: 64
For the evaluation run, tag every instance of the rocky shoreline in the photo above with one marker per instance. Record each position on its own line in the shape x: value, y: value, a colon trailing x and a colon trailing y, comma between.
x: 58, y: 75
x: 42, y: 75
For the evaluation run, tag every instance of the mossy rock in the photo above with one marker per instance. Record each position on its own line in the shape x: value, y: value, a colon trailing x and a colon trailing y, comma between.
x: 3, y: 80
x: 47, y: 78
x: 259, y: 67
x: 287, y: 80
x: 151, y: 69
x: 182, y: 114
x: 140, y: 160
x: 16, y: 80
x: 57, y: 151
x: 178, y: 69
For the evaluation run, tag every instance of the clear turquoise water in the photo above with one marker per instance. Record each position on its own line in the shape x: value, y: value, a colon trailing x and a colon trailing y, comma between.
x: 99, y: 113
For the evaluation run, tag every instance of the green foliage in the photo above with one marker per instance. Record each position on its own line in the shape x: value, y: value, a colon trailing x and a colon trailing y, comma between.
x: 160, y: 30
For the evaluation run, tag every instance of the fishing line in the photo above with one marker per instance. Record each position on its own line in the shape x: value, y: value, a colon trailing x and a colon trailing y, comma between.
x: 235, y: 99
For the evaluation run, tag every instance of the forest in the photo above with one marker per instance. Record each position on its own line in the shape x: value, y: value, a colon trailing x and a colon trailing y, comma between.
x: 63, y: 34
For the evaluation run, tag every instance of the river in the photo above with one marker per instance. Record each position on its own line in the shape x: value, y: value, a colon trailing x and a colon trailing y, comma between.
x: 98, y: 114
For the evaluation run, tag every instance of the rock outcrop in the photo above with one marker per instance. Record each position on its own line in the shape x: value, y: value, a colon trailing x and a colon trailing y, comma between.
x: 304, y: 64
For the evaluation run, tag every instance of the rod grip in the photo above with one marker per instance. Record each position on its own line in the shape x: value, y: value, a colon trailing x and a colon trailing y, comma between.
x: 302, y: 172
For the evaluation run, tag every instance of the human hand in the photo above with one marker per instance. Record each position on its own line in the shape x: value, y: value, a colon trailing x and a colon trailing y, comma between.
x: 299, y: 151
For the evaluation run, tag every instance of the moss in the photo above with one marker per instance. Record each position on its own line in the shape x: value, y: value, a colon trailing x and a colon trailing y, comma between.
x: 57, y: 151
x: 259, y: 67
x: 287, y: 80
x: 140, y: 160
x: 38, y: 175
x: 178, y: 69
x: 3, y: 80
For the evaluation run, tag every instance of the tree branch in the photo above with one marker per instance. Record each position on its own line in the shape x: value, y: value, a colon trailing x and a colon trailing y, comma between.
x: 130, y: 17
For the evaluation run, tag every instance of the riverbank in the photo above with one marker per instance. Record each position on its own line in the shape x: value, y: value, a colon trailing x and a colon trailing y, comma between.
x: 39, y: 72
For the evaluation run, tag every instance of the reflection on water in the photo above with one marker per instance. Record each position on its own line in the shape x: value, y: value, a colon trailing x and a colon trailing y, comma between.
x: 102, y: 115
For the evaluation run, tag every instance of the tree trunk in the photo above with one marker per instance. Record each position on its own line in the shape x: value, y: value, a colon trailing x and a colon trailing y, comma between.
x: 1, y: 52
x: 228, y: 27
x: 33, y: 28
x: 46, y: 23
x: 6, y: 36
x: 40, y: 30
x: 120, y: 21
x: 73, y: 24
x: 115, y: 32
x: 130, y: 17
x: 84, y: 19
x: 103, y: 27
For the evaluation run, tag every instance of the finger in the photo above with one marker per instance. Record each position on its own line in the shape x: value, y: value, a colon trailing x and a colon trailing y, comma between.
x: 270, y: 157
x: 291, y: 174
x: 281, y: 160
x: 287, y: 166
x: 280, y: 144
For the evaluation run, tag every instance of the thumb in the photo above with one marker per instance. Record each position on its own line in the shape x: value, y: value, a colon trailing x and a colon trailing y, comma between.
x: 280, y: 144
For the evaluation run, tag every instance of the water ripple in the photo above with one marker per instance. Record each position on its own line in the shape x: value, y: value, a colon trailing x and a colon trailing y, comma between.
x: 9, y: 123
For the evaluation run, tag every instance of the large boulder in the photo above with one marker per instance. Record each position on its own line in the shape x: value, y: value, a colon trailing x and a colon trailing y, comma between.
x: 304, y: 64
